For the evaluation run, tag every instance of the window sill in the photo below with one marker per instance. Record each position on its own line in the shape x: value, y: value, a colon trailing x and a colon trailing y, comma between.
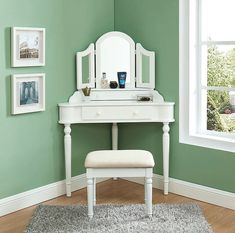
x: 209, y: 141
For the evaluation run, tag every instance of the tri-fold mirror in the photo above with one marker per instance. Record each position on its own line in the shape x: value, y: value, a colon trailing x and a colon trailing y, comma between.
x: 115, y: 52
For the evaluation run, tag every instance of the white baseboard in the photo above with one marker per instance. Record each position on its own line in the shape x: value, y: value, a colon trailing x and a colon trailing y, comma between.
x: 195, y: 191
x: 38, y: 195
x: 41, y: 194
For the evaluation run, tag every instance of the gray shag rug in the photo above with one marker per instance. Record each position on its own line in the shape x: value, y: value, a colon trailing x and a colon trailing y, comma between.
x: 167, y: 218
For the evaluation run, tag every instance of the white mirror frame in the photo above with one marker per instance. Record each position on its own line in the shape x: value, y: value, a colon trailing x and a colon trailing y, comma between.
x: 132, y: 56
x: 90, y: 51
x: 139, y: 81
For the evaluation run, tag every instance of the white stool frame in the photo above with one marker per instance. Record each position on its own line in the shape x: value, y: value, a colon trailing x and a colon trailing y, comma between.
x: 93, y: 173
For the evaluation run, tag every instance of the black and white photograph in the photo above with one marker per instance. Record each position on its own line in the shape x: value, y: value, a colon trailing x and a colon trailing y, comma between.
x: 29, y: 45
x: 28, y: 93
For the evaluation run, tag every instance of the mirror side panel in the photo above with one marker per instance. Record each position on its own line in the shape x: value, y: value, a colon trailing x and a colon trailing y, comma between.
x: 145, y: 67
x: 85, y: 68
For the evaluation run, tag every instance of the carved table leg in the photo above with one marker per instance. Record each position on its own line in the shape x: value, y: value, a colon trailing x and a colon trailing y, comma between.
x: 67, y: 152
x: 166, y: 142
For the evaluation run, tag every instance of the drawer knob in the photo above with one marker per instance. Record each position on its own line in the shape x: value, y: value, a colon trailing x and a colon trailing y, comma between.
x: 135, y: 113
x: 98, y: 113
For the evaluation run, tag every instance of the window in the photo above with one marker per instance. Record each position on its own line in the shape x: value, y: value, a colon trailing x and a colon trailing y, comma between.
x: 207, y: 73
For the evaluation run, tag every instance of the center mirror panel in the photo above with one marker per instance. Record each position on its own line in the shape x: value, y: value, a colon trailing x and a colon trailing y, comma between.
x: 115, y: 57
x: 115, y: 52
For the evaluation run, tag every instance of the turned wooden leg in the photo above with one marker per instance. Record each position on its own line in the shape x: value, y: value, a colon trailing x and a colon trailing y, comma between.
x: 90, y: 199
x: 149, y: 195
x: 67, y: 152
x: 145, y: 191
x: 166, y: 142
x: 94, y: 191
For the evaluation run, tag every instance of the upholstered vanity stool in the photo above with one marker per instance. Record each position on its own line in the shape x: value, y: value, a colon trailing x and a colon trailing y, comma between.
x: 119, y: 163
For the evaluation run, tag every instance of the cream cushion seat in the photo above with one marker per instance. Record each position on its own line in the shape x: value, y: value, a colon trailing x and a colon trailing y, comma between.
x: 119, y: 159
x: 119, y: 163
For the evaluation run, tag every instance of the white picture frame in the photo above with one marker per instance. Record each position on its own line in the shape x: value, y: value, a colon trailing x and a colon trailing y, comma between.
x: 27, y: 46
x: 28, y: 93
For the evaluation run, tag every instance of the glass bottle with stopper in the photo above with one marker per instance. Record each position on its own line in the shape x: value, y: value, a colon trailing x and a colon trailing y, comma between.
x: 104, y: 81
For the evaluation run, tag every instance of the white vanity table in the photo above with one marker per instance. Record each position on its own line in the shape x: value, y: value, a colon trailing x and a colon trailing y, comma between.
x: 116, y: 51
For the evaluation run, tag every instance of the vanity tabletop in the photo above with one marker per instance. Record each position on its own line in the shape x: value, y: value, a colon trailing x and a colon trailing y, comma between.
x: 94, y: 103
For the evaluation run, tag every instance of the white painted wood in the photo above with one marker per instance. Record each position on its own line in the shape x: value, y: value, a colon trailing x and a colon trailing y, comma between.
x: 92, y: 173
x: 94, y: 191
x: 111, y: 111
x: 117, y: 172
x: 16, y: 79
x: 188, y: 132
x: 141, y: 51
x: 41, y: 194
x: 218, y: 42
x: 67, y: 150
x: 114, y: 139
x: 90, y: 51
x: 118, y: 105
x: 90, y: 196
x: 145, y: 191
x: 53, y: 190
x: 203, y: 193
x: 15, y: 57
x: 166, y: 144
x: 148, y: 197
x: 114, y: 136
x: 191, y: 190
x: 116, y: 111
x: 117, y: 95
x: 99, y: 44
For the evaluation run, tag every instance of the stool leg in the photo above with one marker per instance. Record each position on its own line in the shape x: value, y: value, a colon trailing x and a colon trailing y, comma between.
x: 94, y: 191
x: 148, y: 183
x: 145, y: 191
x: 90, y: 196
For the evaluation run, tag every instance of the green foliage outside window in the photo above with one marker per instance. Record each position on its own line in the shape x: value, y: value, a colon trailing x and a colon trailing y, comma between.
x: 220, y: 72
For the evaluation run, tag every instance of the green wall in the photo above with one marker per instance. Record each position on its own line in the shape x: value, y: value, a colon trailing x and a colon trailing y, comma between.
x: 154, y: 23
x: 31, y: 145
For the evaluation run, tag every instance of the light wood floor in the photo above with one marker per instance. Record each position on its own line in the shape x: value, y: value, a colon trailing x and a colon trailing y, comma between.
x: 221, y: 219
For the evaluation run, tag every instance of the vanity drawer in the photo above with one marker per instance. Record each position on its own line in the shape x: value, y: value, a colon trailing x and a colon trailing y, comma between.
x: 116, y: 113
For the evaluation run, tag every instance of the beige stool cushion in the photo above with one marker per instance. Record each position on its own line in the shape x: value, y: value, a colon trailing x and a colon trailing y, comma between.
x: 119, y: 159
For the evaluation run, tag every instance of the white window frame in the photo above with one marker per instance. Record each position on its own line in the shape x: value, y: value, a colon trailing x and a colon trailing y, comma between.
x: 190, y: 86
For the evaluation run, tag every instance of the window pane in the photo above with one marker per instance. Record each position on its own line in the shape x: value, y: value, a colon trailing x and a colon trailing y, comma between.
x: 220, y: 109
x: 218, y: 20
x: 218, y: 65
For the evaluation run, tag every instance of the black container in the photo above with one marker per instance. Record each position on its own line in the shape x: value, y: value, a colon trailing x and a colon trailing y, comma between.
x: 113, y: 84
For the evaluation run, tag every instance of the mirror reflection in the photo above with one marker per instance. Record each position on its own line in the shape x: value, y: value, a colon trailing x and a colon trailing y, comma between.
x: 115, y: 57
x: 145, y: 69
x: 85, y: 69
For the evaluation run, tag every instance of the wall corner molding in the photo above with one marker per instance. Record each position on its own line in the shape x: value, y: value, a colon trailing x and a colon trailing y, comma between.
x: 35, y: 196
x: 194, y: 191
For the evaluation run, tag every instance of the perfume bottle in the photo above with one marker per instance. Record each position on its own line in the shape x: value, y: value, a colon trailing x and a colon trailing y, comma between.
x: 104, y: 82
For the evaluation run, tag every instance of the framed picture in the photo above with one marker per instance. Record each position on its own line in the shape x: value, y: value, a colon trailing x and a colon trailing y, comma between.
x: 28, y: 93
x: 27, y: 46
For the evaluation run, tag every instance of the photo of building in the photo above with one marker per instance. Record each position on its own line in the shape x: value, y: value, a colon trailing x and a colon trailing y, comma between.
x: 28, y: 46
